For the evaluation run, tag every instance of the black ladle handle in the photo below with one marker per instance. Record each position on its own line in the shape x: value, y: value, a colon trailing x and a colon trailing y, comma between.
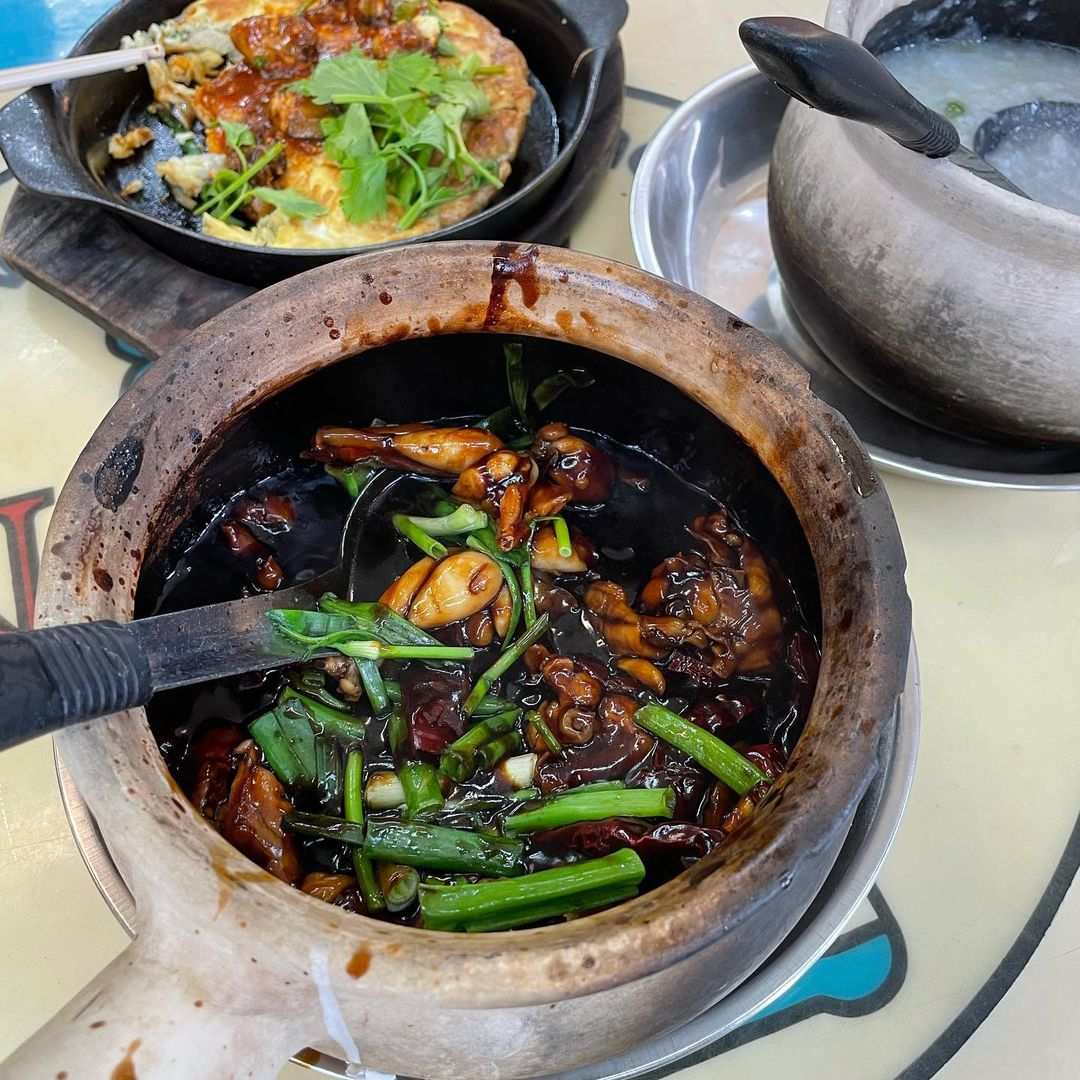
x: 832, y: 73
x: 598, y: 20
x: 66, y: 674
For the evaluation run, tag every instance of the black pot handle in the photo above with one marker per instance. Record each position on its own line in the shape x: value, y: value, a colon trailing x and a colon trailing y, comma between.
x: 832, y: 73
x: 66, y: 674
x: 598, y: 20
x: 29, y: 142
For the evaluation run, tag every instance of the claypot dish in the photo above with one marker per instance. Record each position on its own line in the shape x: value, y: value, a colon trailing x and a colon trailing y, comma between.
x: 949, y: 299
x: 232, y: 971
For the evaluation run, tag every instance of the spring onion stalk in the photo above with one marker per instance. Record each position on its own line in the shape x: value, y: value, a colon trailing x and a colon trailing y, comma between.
x: 491, y: 753
x: 492, y: 704
x: 325, y: 827
x: 423, y: 796
x: 399, y: 885
x: 573, y: 807
x: 352, y: 643
x: 598, y: 785
x: 393, y: 690
x: 328, y: 774
x: 484, y: 540
x: 484, y: 730
x: 562, y: 533
x: 436, y: 847
x: 506, y: 661
x: 296, y: 728
x: 517, y: 605
x: 512, y: 420
x: 312, y: 683
x: 452, y: 907
x: 551, y: 909
x: 525, y: 794
x: 528, y: 594
x: 463, y: 519
x: 705, y: 748
x: 551, y: 741
x: 384, y: 791
x: 415, y: 535
x: 510, y: 579
x: 353, y: 478
x: 550, y: 388
x: 472, y: 802
x: 516, y: 602
x: 326, y: 719
x: 518, y: 772
x: 376, y: 621
x: 291, y: 728
x: 517, y: 382
x: 354, y: 813
x: 458, y: 760
x: 397, y: 730
x: 278, y: 751
x: 376, y: 650
x: 373, y: 686
x: 443, y: 502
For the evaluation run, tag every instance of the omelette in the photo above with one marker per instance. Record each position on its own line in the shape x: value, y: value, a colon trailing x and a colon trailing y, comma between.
x: 236, y: 82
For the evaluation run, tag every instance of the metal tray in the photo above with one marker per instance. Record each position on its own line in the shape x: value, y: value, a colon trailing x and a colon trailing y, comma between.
x: 856, y: 869
x: 698, y: 216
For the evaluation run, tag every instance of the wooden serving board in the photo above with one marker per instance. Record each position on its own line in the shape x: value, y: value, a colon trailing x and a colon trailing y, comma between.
x: 93, y: 262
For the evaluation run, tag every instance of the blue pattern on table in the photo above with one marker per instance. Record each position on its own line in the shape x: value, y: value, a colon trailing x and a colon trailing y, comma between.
x: 36, y: 30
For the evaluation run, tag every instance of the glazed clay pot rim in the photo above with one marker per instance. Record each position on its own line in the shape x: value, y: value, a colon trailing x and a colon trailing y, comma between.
x: 143, y: 453
x: 940, y: 185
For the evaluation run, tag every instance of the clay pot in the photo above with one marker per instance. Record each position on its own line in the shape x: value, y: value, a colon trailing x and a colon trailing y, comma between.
x: 232, y: 971
x: 947, y: 298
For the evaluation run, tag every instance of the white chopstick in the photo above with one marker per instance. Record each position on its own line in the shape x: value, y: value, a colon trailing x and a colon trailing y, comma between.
x: 18, y: 78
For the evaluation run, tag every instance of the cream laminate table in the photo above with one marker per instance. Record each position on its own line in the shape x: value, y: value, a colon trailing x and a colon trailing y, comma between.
x: 989, y: 845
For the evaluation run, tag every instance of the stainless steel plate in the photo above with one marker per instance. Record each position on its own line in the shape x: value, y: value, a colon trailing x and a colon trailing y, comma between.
x: 698, y: 216
x: 856, y: 869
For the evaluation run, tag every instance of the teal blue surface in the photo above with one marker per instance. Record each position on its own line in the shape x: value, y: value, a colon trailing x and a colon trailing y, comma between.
x: 35, y: 30
x: 847, y: 976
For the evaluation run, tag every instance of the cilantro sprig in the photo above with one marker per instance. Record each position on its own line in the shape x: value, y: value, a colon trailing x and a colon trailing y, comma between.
x: 230, y: 190
x: 400, y: 134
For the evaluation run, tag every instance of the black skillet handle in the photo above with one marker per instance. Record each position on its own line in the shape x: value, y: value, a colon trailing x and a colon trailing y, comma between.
x: 599, y: 20
x: 66, y: 674
x: 832, y: 73
x: 30, y: 145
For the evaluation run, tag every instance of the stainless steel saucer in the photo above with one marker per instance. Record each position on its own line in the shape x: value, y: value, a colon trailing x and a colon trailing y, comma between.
x: 699, y: 217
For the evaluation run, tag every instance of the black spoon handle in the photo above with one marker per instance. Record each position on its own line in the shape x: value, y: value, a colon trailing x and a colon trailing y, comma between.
x: 66, y: 674
x: 832, y: 73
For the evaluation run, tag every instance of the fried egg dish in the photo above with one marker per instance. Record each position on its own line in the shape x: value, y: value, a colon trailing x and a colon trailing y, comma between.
x: 333, y: 123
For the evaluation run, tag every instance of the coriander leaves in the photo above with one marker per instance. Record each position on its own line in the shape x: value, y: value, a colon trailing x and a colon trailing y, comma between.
x: 400, y: 135
x: 229, y: 191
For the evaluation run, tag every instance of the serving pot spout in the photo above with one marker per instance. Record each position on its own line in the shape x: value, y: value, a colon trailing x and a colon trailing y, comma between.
x: 952, y: 301
x: 232, y: 970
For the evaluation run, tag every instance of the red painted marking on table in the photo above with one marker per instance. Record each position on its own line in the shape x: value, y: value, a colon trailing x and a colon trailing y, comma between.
x: 17, y: 518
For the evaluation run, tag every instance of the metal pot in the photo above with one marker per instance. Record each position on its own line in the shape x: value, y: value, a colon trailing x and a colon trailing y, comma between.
x: 950, y: 300
x: 232, y: 971
x: 50, y: 134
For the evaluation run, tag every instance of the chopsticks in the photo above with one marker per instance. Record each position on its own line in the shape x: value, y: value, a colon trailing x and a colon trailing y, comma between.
x: 17, y: 78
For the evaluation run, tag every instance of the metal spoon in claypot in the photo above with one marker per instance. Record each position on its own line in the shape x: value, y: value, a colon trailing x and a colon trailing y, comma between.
x: 832, y: 73
x: 63, y: 675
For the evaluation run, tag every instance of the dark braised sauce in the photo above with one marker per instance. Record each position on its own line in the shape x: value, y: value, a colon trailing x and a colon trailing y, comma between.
x: 670, y: 548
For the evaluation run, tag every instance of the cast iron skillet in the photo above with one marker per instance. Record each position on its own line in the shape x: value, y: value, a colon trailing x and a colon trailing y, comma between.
x: 53, y: 137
